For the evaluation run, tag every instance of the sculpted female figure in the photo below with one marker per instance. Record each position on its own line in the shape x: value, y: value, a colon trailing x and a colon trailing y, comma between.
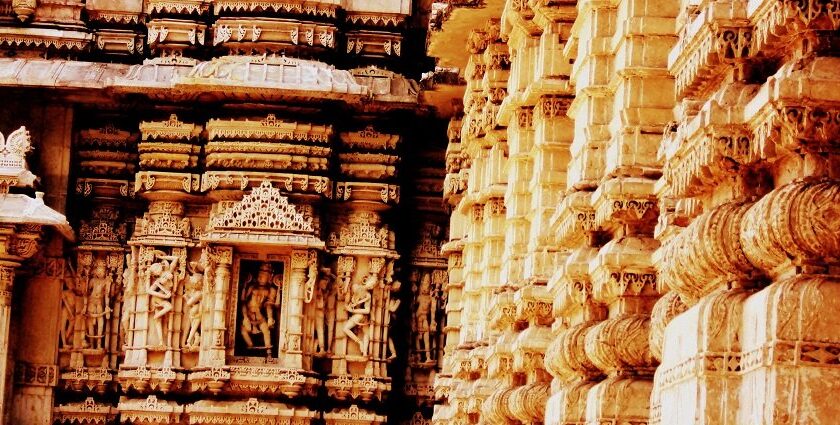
x: 192, y: 296
x: 359, y: 308
x: 161, y: 290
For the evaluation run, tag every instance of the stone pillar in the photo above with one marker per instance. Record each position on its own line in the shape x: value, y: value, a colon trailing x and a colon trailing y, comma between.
x: 293, y: 357
x: 35, y: 369
x: 17, y: 244
x: 213, y: 331
x: 7, y: 277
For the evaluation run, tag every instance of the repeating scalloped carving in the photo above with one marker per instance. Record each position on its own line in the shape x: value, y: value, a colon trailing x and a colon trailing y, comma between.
x: 620, y: 343
x: 527, y: 403
x: 794, y: 224
x: 566, y: 356
x: 707, y: 253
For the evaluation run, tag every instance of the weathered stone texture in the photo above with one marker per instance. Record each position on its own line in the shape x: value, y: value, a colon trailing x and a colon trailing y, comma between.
x: 671, y: 182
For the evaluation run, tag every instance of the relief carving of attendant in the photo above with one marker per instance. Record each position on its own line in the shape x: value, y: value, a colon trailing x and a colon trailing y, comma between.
x: 97, y: 309
x: 424, y: 321
x: 70, y: 296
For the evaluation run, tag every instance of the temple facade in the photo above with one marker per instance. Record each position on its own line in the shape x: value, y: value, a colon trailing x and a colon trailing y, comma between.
x: 460, y: 212
x: 218, y: 212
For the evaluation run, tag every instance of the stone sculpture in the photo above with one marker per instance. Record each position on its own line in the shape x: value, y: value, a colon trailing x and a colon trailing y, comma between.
x: 359, y: 307
x: 324, y: 316
x: 423, y: 317
x: 161, y: 286
x: 193, y: 294
x: 97, y: 309
x: 259, y: 301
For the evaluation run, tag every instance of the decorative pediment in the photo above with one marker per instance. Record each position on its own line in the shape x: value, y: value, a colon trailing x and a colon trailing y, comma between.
x: 325, y: 9
x: 149, y: 411
x: 106, y: 137
x: 375, y: 19
x: 363, y: 229
x: 263, y: 216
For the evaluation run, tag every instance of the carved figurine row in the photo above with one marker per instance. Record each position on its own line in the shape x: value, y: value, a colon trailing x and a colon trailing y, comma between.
x: 99, y: 292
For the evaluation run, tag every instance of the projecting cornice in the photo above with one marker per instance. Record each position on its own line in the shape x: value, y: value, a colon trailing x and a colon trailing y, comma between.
x: 228, y: 78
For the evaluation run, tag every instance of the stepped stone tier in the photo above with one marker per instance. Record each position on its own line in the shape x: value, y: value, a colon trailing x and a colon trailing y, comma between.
x: 429, y: 212
x: 644, y: 212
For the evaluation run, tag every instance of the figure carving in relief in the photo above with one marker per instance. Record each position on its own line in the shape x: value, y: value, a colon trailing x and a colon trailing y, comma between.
x: 359, y: 308
x: 128, y: 289
x: 322, y: 313
x: 193, y: 293
x: 96, y: 309
x: 311, y: 277
x: 69, y: 295
x: 258, y: 309
x: 161, y: 290
x: 393, y: 305
x: 423, y: 319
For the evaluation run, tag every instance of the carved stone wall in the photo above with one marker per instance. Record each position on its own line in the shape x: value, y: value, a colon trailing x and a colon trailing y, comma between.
x: 255, y: 200
x: 633, y: 222
x: 640, y: 194
x: 228, y: 258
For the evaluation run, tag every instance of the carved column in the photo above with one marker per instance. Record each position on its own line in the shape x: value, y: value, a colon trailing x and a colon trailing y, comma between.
x: 213, y: 337
x: 7, y: 276
x: 163, y: 238
x: 18, y: 243
x: 294, y: 310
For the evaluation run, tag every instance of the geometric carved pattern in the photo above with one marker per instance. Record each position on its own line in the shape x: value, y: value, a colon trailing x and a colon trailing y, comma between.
x: 264, y: 209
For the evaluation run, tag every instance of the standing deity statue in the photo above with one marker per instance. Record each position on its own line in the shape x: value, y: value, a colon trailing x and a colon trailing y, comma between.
x: 321, y: 310
x: 193, y: 293
x: 259, y: 301
x: 97, y: 309
x: 161, y: 287
x: 359, y: 307
x: 423, y: 319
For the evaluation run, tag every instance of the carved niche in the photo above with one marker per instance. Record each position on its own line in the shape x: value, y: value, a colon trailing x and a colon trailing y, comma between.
x: 258, y: 308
